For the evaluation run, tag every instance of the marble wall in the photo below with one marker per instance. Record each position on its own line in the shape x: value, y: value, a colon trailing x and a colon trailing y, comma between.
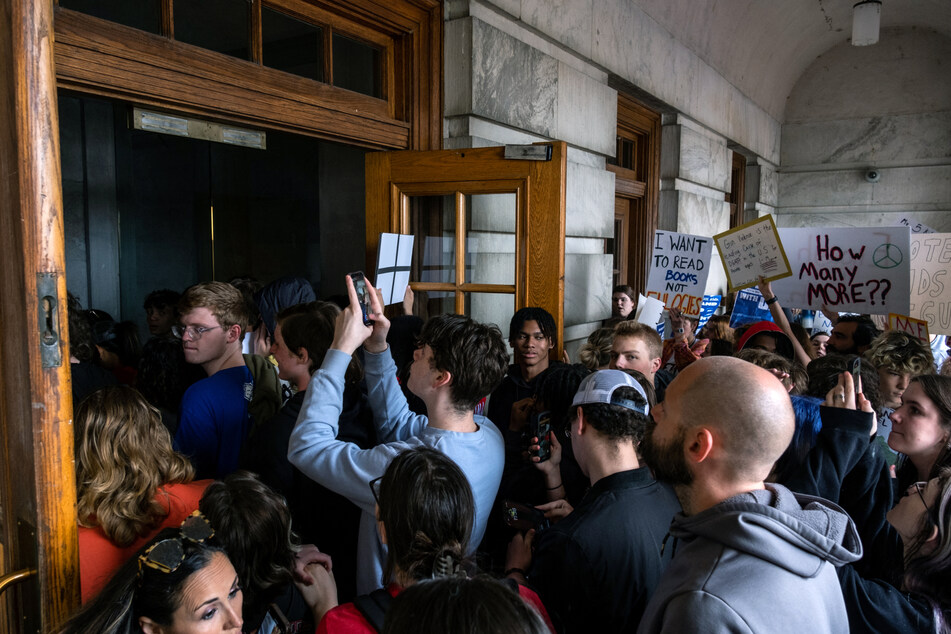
x: 695, y: 177
x: 619, y: 36
x: 894, y: 116
x: 505, y: 84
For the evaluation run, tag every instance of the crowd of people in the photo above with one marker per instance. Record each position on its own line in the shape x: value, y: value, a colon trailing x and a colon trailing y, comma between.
x: 268, y: 462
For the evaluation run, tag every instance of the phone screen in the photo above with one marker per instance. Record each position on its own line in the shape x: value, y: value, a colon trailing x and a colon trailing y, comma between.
x: 541, y: 429
x: 360, y: 285
x: 856, y: 368
x: 523, y: 517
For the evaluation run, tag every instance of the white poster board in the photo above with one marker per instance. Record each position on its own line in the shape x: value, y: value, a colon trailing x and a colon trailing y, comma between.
x: 931, y: 281
x: 752, y: 251
x: 680, y: 263
x: 854, y: 269
x: 394, y: 258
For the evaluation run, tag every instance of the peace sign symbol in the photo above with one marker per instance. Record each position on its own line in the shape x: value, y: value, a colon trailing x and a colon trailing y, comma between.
x: 887, y: 256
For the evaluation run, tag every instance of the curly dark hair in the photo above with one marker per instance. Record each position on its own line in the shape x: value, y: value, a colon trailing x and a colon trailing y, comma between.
x: 473, y: 353
x: 616, y: 422
x: 546, y: 323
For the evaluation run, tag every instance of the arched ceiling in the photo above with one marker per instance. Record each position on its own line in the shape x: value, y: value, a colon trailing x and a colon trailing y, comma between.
x: 763, y: 46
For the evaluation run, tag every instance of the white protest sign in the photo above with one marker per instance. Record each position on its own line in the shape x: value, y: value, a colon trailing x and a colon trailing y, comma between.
x: 916, y: 227
x: 649, y: 310
x: 394, y: 258
x: 855, y: 269
x: 752, y: 251
x: 930, y: 280
x: 679, y: 267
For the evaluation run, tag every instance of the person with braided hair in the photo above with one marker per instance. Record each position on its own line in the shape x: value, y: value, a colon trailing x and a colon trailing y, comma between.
x: 424, y: 513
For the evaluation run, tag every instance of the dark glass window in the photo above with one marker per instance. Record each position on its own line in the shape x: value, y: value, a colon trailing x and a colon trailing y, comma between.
x: 357, y: 66
x: 218, y: 25
x: 139, y: 14
x: 291, y: 45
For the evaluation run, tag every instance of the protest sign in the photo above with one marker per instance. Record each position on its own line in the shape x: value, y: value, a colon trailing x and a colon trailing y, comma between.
x: 930, y: 281
x: 708, y: 306
x: 749, y: 308
x: 394, y: 258
x: 649, y: 310
x: 855, y: 269
x: 751, y: 251
x: 679, y: 266
x: 914, y: 327
x: 916, y: 227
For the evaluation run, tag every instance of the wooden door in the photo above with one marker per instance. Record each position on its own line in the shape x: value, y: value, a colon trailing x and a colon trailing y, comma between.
x: 636, y: 168
x: 38, y: 545
x: 490, y: 231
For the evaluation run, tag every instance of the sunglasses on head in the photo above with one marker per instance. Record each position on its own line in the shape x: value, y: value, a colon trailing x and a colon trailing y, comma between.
x: 167, y: 555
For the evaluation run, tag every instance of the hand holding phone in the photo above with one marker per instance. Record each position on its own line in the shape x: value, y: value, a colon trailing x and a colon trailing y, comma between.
x: 540, y: 428
x: 363, y: 295
x: 855, y: 367
x: 523, y: 517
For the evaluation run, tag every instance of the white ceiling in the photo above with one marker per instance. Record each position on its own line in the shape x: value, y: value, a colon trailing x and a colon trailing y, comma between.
x: 763, y: 46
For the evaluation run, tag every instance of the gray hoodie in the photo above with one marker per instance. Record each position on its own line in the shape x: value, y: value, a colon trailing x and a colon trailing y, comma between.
x: 757, y: 562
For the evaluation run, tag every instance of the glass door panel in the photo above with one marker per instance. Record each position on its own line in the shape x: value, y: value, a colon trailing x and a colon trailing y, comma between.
x: 490, y: 238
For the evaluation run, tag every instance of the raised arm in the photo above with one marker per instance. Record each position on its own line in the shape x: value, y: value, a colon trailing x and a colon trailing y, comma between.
x: 779, y: 318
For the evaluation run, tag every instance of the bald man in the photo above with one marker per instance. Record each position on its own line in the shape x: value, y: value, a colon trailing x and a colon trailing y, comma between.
x: 750, y: 556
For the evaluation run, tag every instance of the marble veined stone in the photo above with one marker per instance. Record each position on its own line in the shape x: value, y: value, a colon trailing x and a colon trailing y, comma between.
x: 512, y: 82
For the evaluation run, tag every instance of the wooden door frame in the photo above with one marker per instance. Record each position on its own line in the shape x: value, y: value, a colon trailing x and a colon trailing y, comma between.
x: 540, y: 243
x: 35, y: 401
x: 640, y: 186
x: 98, y: 57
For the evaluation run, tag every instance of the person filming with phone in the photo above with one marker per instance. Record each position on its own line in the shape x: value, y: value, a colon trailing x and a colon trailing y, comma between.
x: 596, y: 568
x: 457, y: 362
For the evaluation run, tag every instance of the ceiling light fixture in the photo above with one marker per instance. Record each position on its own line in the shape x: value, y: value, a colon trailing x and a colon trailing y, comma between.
x: 866, y: 20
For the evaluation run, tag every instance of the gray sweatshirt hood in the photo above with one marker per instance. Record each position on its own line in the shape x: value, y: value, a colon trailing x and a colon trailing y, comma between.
x: 796, y: 532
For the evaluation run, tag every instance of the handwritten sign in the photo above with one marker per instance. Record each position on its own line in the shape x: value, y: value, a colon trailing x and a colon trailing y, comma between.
x: 914, y: 327
x: 708, y: 306
x: 856, y: 269
x: 751, y: 251
x: 916, y: 227
x: 749, y: 308
x: 931, y: 281
x: 679, y: 267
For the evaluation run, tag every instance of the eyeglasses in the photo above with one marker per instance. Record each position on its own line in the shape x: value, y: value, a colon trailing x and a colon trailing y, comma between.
x: 194, y: 332
x: 375, y: 489
x: 168, y: 554
x: 918, y: 487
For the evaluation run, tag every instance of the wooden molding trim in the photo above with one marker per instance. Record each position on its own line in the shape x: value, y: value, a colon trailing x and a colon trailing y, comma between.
x: 103, y: 58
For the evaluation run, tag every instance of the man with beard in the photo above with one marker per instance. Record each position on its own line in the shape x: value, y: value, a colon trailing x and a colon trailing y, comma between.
x: 596, y: 569
x: 750, y: 556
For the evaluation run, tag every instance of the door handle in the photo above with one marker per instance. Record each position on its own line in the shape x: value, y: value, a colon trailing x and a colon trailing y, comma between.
x: 14, y: 577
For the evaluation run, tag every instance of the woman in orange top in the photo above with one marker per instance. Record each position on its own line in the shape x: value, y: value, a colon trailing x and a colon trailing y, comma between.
x: 131, y: 483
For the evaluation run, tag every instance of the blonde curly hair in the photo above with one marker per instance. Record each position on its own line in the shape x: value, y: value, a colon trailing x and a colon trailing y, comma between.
x: 123, y: 456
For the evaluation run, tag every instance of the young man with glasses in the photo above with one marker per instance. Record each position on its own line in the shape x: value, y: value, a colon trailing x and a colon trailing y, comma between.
x: 456, y: 363
x: 214, y: 419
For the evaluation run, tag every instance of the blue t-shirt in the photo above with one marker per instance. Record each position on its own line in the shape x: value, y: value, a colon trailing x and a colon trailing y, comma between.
x: 214, y: 421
